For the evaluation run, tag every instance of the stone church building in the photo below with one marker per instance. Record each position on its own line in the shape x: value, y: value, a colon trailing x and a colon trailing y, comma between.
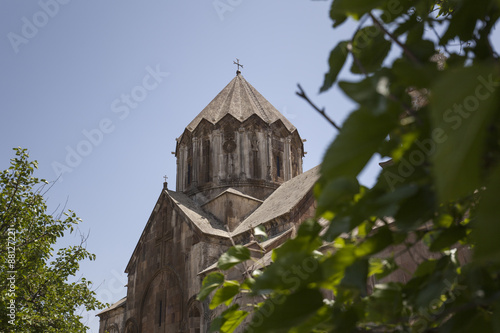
x: 239, y: 165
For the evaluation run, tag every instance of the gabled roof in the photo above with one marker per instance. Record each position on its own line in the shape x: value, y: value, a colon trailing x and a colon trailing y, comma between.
x: 282, y: 201
x: 235, y: 192
x: 277, y: 240
x: 116, y: 305
x: 240, y: 100
x: 205, y: 222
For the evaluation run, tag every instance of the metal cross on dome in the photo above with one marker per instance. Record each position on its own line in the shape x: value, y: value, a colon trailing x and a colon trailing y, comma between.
x: 237, y: 63
x: 165, y: 177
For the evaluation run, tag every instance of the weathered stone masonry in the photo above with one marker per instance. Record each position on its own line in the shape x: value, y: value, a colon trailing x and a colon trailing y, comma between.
x: 239, y: 165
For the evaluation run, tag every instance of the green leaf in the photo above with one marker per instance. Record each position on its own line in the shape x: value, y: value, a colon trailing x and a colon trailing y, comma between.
x: 426, y: 268
x: 422, y: 50
x: 229, y: 320
x: 468, y: 320
x: 306, y: 242
x: 355, y: 277
x: 464, y: 19
x: 365, y: 92
x: 295, y: 263
x: 381, y: 267
x: 415, y: 210
x: 356, y: 143
x: 374, y: 244
x: 462, y: 105
x: 369, y: 48
x: 235, y: 255
x: 336, y: 192
x: 224, y: 294
x: 409, y: 24
x: 336, y: 61
x: 337, y: 226
x: 444, y: 221
x: 354, y: 8
x: 211, y: 282
x: 248, y: 283
x: 430, y: 281
x: 387, y: 204
x: 448, y: 237
x: 280, y: 313
x: 376, y: 266
x: 413, y: 75
x: 290, y: 272
x: 345, y: 319
x: 260, y: 231
x: 385, y: 303
x: 316, y: 321
x: 487, y: 227
x: 333, y: 267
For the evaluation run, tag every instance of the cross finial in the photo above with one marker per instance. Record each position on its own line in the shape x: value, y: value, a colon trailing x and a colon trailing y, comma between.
x: 165, y: 177
x: 237, y: 63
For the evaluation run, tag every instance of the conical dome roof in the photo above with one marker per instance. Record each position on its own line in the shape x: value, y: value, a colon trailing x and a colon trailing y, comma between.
x: 240, y: 100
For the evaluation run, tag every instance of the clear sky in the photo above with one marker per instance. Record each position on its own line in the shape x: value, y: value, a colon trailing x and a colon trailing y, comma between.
x: 99, y: 90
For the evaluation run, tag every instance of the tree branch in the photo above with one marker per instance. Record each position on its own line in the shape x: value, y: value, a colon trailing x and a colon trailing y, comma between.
x: 302, y: 94
x: 4, y: 224
x: 391, y: 36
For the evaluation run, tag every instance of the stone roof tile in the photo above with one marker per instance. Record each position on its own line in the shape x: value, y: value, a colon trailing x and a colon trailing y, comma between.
x: 281, y: 201
x: 116, y: 305
x: 241, y: 100
x: 235, y: 192
x: 205, y: 222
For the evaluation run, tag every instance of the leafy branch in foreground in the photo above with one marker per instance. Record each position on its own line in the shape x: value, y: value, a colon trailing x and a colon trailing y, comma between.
x: 428, y: 101
x: 36, y: 294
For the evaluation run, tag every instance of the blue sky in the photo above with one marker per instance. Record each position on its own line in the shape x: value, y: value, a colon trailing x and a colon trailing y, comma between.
x: 70, y: 67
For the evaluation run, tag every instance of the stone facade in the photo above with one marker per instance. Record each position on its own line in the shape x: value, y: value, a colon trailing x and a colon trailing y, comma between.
x: 238, y: 141
x: 239, y: 165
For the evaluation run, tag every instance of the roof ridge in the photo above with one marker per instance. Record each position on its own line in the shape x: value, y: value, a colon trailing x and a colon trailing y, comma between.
x: 256, y: 100
x: 241, y: 100
x: 280, y: 202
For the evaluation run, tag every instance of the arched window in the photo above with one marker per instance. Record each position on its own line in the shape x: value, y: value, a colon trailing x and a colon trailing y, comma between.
x: 278, y: 166
x: 189, y: 174
x: 160, y: 313
x: 112, y: 329
x: 255, y: 166
x: 206, y: 160
x: 131, y: 327
x: 194, y: 319
x: 255, y: 157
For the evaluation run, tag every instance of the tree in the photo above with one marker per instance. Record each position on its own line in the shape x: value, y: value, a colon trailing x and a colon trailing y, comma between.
x: 431, y: 107
x: 36, y: 294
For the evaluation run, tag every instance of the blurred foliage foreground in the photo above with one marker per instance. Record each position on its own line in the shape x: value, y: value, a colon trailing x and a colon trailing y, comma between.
x: 432, y: 110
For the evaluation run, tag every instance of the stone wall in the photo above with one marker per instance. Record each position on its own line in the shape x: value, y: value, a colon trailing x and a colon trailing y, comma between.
x: 231, y: 152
